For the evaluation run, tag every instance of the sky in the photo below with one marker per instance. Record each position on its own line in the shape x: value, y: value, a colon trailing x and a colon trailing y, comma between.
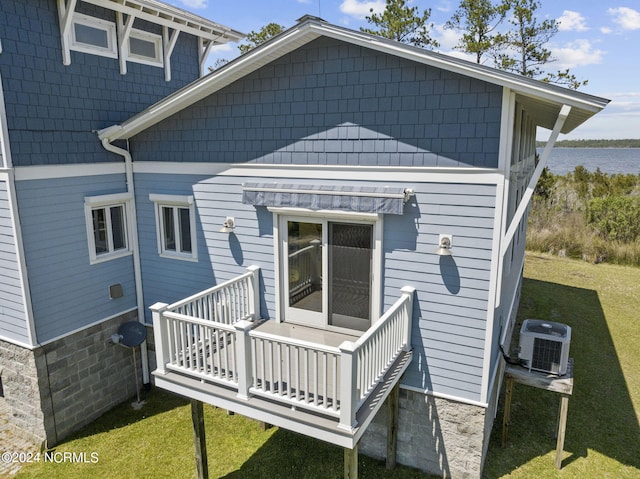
x: 598, y: 41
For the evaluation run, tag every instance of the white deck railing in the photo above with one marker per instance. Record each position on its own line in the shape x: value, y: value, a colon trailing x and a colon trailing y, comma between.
x: 194, y: 338
x: 297, y: 372
x: 226, y: 303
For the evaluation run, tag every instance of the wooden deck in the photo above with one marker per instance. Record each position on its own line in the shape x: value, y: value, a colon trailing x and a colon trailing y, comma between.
x: 305, y: 333
x: 295, y: 419
x: 212, y: 347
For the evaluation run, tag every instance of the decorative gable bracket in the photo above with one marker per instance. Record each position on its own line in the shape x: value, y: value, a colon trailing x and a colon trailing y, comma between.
x: 121, y: 40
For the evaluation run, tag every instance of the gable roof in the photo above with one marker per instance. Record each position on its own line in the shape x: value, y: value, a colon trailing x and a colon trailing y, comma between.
x: 543, y: 101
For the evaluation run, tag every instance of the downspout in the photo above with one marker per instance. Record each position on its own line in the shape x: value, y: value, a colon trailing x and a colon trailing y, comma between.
x: 128, y: 166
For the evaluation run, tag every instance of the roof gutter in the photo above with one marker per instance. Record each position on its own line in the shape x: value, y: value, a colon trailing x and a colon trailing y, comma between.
x: 133, y: 233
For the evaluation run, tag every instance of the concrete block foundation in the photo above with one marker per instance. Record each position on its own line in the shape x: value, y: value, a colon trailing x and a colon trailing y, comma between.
x: 438, y: 436
x: 53, y: 390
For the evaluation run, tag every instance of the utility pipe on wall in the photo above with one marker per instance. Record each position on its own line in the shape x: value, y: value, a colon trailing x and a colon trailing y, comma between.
x: 128, y: 164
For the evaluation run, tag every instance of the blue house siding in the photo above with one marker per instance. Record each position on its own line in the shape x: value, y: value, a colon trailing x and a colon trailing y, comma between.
x: 68, y: 292
x: 13, y: 319
x: 53, y: 109
x: 334, y: 103
x: 169, y: 279
x: 452, y: 294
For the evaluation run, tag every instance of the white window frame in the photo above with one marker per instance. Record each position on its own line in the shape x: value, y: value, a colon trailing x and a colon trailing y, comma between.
x: 301, y: 214
x: 158, y: 60
x: 109, y: 27
x: 92, y: 203
x: 175, y: 202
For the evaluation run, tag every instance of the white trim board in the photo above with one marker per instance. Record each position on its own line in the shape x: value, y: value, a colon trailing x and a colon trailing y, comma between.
x: 26, y: 173
x: 489, y: 176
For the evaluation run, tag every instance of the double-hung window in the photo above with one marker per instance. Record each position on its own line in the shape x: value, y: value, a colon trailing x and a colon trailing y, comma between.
x: 175, y: 226
x: 106, y: 219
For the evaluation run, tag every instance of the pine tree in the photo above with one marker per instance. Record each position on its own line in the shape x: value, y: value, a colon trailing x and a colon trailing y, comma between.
x: 478, y: 20
x: 403, y: 24
x: 522, y: 49
x: 258, y: 38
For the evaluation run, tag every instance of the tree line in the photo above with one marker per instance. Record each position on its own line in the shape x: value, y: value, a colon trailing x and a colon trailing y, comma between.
x: 505, y: 33
x: 627, y: 143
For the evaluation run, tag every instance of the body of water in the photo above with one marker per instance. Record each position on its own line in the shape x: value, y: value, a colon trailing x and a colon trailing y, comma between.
x: 609, y: 160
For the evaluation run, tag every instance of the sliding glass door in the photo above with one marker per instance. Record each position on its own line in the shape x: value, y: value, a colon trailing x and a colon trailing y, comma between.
x: 327, y: 268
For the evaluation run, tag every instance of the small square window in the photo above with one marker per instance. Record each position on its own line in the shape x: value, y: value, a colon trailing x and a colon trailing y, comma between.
x: 106, y: 218
x: 93, y: 35
x: 175, y: 224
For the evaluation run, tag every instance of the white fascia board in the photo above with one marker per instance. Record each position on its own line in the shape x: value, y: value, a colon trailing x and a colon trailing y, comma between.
x: 489, y: 176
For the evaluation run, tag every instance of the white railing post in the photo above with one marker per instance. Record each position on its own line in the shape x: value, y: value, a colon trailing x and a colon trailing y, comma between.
x: 348, y: 381
x: 408, y: 292
x: 161, y: 336
x: 254, y: 292
x: 243, y: 358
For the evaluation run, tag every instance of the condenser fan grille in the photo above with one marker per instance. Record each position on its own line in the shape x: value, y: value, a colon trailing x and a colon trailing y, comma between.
x: 547, y: 355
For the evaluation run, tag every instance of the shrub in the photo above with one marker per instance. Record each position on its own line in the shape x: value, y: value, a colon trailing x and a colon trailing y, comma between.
x: 615, y: 217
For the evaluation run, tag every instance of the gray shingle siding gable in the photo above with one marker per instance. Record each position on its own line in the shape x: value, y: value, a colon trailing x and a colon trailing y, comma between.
x: 334, y: 103
x: 53, y: 109
x: 13, y: 322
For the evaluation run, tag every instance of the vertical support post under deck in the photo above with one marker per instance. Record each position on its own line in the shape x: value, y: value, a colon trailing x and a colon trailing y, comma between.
x: 351, y: 463
x: 392, y: 425
x: 199, y: 439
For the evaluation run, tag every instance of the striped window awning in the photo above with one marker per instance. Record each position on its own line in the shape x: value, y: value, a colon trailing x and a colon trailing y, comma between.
x: 361, y: 199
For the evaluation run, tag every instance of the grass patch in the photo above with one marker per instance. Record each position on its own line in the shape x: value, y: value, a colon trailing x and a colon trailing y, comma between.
x: 601, y: 304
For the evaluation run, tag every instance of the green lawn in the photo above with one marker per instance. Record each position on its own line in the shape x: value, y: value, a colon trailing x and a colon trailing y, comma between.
x: 600, y: 302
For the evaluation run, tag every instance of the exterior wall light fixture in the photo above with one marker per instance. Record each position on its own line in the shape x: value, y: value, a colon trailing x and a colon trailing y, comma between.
x: 444, y: 245
x: 228, y: 225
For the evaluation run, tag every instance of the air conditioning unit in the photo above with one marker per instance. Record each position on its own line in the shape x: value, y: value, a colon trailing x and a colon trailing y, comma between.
x: 544, y: 346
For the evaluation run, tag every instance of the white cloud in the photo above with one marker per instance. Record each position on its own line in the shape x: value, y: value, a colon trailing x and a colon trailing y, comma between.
x: 306, y: 2
x: 447, y: 37
x: 572, y: 21
x: 195, y: 4
x: 627, y: 18
x: 605, y: 30
x: 360, y: 9
x: 577, y: 53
